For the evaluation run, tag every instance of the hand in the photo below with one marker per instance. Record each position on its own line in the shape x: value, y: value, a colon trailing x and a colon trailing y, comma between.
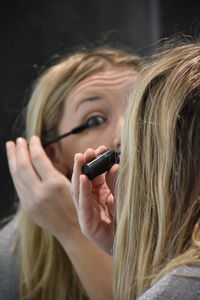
x: 45, y: 193
x: 94, y: 201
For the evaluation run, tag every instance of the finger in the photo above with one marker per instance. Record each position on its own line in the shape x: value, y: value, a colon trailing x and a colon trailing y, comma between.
x: 79, y: 161
x: 91, y: 154
x: 101, y: 149
x: 99, y: 180
x: 111, y: 177
x: 85, y: 211
x: 40, y: 160
x: 24, y: 167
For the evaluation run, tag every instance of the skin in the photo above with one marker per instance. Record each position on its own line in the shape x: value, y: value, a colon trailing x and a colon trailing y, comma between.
x: 102, y: 97
x: 94, y: 201
x: 40, y: 177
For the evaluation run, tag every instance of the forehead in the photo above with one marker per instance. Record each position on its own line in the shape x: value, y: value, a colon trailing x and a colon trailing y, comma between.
x: 111, y: 78
x: 107, y: 86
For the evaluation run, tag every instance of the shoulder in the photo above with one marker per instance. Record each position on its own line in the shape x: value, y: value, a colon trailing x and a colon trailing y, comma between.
x: 9, y: 261
x: 182, y: 283
x: 8, y: 239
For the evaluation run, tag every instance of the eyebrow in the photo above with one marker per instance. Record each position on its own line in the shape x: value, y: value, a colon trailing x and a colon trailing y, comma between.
x: 88, y: 99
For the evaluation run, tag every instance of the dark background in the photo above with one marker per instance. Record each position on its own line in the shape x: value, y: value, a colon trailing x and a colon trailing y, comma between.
x: 32, y: 31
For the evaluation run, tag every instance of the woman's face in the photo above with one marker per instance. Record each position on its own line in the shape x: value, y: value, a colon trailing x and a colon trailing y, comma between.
x: 102, y: 98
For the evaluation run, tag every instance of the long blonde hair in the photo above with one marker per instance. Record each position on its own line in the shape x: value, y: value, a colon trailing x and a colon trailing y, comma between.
x: 158, y: 206
x: 46, y: 271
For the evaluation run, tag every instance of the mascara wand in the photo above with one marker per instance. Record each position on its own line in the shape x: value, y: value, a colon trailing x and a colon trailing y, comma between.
x: 73, y: 131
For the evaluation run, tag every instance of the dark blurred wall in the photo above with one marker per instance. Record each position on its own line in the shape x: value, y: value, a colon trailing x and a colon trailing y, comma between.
x: 32, y: 31
x: 180, y: 16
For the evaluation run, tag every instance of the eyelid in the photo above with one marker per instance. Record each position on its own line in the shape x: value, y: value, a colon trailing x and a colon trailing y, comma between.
x: 94, y: 114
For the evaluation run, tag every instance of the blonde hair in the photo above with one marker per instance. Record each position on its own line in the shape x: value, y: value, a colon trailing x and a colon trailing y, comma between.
x: 158, y: 204
x: 46, y: 271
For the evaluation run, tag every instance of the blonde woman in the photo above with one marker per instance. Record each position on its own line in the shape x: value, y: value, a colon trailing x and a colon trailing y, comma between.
x: 157, y: 241
x: 43, y: 253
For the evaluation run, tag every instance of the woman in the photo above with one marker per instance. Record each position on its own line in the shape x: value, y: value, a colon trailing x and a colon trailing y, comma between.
x: 89, y: 87
x: 157, y: 245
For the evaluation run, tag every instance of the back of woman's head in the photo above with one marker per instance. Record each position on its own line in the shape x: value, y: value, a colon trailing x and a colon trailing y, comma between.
x: 46, y: 104
x: 160, y: 174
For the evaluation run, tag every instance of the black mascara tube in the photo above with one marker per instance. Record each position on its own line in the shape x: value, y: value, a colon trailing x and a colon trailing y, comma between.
x: 101, y: 164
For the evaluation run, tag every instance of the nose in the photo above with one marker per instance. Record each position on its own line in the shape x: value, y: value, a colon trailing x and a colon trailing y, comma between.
x: 118, y: 133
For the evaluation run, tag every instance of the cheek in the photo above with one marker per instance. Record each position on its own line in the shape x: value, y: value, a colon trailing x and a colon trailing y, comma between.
x: 75, y: 145
x: 96, y: 139
x: 66, y: 157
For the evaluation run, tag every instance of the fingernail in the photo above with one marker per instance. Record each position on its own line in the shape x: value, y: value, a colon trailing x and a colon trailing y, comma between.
x: 34, y: 138
x: 8, y: 145
x: 19, y: 140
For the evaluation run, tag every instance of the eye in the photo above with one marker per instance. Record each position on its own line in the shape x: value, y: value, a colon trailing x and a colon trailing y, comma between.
x: 95, y: 121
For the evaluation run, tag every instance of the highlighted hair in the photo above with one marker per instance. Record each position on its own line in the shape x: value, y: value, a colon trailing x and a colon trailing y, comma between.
x: 158, y: 205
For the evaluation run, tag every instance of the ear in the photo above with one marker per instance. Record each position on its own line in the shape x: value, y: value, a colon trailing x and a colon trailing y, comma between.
x: 54, y: 154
